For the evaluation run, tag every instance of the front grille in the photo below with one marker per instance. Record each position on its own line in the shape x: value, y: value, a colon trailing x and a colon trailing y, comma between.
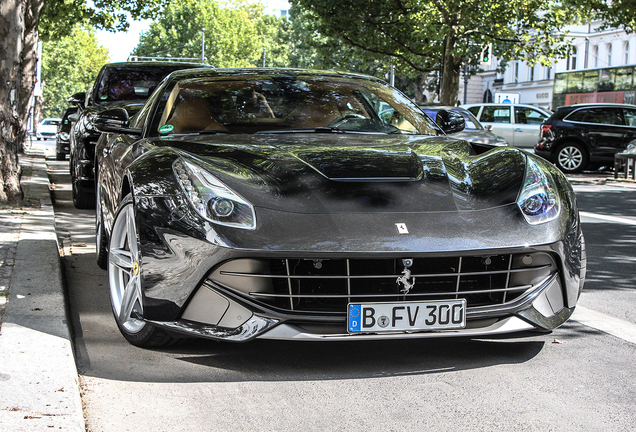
x: 327, y: 285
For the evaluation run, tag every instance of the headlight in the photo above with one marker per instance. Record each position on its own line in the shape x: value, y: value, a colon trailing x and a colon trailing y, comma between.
x: 212, y: 199
x: 538, y: 200
x: 64, y: 136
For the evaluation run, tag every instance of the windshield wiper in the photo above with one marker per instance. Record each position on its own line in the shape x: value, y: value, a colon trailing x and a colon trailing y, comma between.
x: 213, y: 132
x: 321, y: 129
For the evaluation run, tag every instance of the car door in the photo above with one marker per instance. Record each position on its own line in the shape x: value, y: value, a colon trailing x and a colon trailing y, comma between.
x: 605, y: 130
x: 499, y: 118
x: 629, y: 117
x: 527, y: 122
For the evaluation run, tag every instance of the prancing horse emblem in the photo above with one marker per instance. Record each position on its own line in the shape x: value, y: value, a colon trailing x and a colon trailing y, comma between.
x: 405, y: 280
x: 402, y: 229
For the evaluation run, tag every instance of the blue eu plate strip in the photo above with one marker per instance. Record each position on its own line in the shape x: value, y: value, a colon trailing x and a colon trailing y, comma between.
x: 355, y: 315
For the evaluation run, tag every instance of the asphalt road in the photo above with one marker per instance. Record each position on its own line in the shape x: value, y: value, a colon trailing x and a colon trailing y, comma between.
x: 576, y: 378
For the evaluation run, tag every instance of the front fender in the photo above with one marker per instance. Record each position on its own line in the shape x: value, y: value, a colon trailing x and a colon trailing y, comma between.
x: 152, y: 174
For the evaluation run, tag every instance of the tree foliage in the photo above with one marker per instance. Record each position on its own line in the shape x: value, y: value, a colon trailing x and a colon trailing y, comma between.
x: 614, y: 13
x: 59, y: 17
x: 235, y: 34
x: 432, y: 35
x: 69, y: 65
x: 310, y: 48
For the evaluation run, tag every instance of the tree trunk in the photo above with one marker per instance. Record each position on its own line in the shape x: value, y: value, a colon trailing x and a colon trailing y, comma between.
x: 18, y: 40
x: 418, y: 85
x: 29, y: 59
x: 450, y: 78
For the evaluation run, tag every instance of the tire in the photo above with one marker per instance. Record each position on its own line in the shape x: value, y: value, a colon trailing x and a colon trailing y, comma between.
x: 124, y: 281
x: 101, y: 239
x: 81, y: 199
x: 571, y: 158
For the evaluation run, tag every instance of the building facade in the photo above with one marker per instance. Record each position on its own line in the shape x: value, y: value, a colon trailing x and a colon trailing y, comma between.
x: 533, y: 85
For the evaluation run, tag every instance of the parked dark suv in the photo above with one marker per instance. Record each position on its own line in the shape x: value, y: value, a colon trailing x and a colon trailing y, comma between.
x: 578, y: 135
x: 118, y: 85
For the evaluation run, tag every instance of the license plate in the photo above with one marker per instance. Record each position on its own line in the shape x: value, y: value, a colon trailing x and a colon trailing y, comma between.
x: 407, y: 316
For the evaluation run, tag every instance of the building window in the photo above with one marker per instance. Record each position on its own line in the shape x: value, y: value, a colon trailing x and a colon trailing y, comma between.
x: 548, y: 72
x: 572, y: 59
x: 626, y: 52
x: 595, y: 55
x: 531, y: 73
x: 609, y: 54
x: 516, y: 73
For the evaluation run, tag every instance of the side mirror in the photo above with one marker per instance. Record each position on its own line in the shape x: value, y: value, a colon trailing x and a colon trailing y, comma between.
x: 450, y: 121
x: 114, y: 120
x: 72, y: 118
x: 77, y: 99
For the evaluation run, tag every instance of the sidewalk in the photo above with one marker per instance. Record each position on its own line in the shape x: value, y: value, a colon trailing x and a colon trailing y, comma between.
x: 600, y: 178
x: 39, y: 388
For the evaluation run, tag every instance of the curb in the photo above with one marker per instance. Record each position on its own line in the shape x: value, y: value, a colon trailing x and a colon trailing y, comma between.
x: 39, y: 378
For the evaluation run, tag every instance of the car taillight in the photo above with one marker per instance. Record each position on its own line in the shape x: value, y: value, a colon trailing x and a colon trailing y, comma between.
x: 545, y: 129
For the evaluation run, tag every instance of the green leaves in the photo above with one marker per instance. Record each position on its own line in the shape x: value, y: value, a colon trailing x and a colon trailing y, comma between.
x: 427, y: 35
x: 69, y: 65
x: 613, y: 13
x: 235, y: 35
x: 58, y: 18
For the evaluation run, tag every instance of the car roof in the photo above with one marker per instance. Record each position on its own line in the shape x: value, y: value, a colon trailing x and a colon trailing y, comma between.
x: 567, y: 108
x: 435, y: 108
x: 150, y: 64
x: 500, y: 104
x: 439, y: 106
x: 280, y: 72
x: 603, y: 104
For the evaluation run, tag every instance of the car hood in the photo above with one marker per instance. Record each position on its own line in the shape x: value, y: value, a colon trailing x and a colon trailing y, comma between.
x: 366, y: 173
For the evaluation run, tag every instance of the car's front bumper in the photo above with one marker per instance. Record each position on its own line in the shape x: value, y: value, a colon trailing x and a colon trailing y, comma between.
x: 62, y: 146
x: 541, y: 309
x: 182, y: 294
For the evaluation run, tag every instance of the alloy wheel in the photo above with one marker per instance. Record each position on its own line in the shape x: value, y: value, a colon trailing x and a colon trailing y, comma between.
x: 570, y: 158
x: 124, y: 272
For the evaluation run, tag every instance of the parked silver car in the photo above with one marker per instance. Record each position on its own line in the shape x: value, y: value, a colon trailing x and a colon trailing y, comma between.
x: 516, y: 123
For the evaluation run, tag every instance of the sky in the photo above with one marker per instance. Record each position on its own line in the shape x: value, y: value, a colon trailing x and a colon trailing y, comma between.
x: 120, y: 44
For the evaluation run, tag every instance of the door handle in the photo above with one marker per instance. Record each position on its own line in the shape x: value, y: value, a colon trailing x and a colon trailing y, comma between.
x: 518, y: 130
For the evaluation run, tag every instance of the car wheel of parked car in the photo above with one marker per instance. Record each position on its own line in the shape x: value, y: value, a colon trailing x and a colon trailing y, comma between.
x: 124, y: 279
x: 81, y: 200
x: 571, y: 158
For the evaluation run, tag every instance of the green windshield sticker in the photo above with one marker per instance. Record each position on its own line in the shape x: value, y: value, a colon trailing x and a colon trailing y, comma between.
x: 166, y: 129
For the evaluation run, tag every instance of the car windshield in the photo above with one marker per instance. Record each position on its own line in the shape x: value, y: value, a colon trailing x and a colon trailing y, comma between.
x: 51, y: 122
x: 471, y: 122
x: 289, y: 104
x: 118, y: 84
